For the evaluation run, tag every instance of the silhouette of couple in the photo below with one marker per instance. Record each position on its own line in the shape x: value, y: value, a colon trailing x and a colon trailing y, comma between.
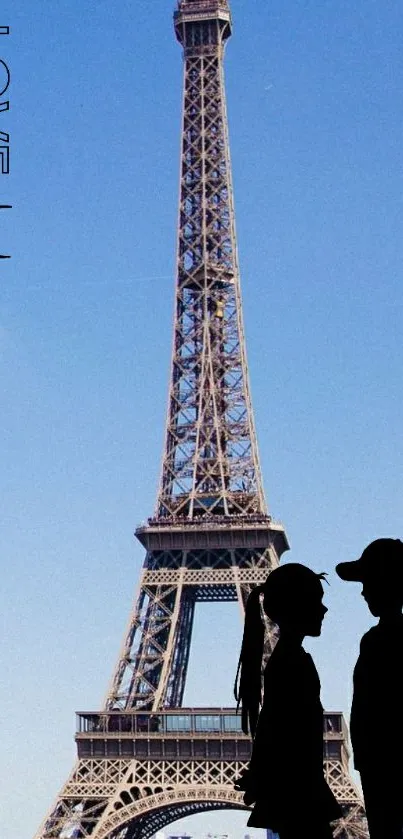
x: 284, y: 781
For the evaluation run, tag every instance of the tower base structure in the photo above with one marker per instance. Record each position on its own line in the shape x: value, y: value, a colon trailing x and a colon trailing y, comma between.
x: 138, y: 772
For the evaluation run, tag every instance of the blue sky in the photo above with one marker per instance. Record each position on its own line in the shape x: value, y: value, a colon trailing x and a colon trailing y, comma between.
x: 314, y: 101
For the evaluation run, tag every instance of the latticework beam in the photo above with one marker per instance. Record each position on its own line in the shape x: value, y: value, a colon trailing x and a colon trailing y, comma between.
x: 152, y: 665
x: 134, y: 798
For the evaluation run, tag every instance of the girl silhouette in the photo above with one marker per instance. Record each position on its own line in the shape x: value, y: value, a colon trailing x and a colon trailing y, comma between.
x: 285, y: 779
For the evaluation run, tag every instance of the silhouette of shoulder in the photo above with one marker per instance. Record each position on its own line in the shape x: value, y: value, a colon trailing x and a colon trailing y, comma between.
x: 291, y: 717
x: 381, y: 651
x: 291, y: 665
x: 385, y: 638
x: 291, y: 691
x: 378, y: 694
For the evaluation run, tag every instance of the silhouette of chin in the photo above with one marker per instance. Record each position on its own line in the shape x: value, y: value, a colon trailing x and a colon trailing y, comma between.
x: 314, y: 629
x: 375, y: 605
x: 374, y: 608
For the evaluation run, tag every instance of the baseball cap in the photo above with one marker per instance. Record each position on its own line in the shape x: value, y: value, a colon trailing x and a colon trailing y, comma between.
x: 383, y: 557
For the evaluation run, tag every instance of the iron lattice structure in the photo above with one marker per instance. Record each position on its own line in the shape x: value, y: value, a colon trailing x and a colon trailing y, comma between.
x: 145, y: 761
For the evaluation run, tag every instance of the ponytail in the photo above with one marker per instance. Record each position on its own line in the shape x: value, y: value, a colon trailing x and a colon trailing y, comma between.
x: 248, y: 680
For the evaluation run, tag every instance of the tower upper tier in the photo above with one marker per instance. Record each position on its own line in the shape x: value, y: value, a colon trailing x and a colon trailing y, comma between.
x: 195, y: 16
x: 210, y: 463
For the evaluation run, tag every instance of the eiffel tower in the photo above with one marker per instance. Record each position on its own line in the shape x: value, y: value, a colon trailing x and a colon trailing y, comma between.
x: 144, y: 760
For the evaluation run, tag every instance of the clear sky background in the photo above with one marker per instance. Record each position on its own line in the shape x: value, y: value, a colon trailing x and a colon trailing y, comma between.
x: 314, y: 100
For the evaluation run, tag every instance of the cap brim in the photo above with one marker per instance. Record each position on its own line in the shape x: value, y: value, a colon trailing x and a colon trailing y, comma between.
x: 350, y: 571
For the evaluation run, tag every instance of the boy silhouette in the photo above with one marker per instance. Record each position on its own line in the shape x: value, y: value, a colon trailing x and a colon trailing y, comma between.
x: 376, y: 722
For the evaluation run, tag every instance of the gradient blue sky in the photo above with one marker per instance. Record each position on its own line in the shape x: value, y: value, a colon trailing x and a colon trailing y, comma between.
x: 314, y: 100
